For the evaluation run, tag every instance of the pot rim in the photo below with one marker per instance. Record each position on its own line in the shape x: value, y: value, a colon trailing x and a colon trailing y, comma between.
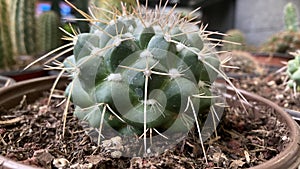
x: 289, y: 156
x: 22, y: 75
x: 6, y: 81
x: 276, y: 55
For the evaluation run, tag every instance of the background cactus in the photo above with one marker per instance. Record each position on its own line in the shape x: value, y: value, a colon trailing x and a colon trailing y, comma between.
x: 282, y: 42
x: 24, y: 26
x: 234, y: 35
x: 289, y: 39
x: 6, y: 45
x: 55, y: 6
x: 49, y: 33
x: 141, y: 71
x: 293, y: 71
x: 104, y: 6
x: 83, y: 5
x: 244, y: 62
x: 291, y: 17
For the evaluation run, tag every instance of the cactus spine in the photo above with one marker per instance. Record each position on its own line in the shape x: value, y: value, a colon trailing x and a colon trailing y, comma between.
x: 49, y: 33
x: 6, y: 46
x: 23, y: 14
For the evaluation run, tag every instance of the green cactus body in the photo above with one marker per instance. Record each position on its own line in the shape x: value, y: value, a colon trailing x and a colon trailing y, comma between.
x: 6, y: 46
x: 49, y: 33
x: 290, y: 17
x: 236, y: 36
x: 293, y: 71
x: 143, y: 71
x: 23, y: 14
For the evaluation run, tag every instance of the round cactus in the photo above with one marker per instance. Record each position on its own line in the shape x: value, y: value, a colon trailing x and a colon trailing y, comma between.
x: 293, y: 71
x: 234, y: 35
x: 141, y: 72
x: 244, y: 62
x: 127, y: 60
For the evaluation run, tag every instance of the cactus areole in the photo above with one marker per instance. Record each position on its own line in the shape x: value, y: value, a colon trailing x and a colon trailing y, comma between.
x: 143, y: 72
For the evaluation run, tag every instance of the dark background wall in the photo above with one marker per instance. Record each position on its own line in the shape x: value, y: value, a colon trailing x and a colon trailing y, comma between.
x: 219, y: 15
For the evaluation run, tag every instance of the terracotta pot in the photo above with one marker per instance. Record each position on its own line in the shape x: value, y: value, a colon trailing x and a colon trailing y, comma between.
x: 287, y: 159
x: 33, y: 89
x: 20, y: 75
x: 273, y: 60
x: 238, y: 76
x: 35, y: 71
x: 6, y: 163
x: 270, y: 62
x: 295, y: 114
x: 6, y: 81
x: 290, y: 157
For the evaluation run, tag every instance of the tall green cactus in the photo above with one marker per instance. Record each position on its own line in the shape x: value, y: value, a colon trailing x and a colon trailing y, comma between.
x: 293, y: 71
x: 6, y: 46
x: 23, y: 16
x: 291, y: 17
x: 48, y: 29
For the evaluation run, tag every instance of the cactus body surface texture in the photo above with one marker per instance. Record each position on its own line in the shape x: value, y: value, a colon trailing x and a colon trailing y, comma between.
x: 146, y: 74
